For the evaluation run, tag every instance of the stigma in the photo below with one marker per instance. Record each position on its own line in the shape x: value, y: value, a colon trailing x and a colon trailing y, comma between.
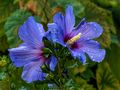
x: 74, y: 39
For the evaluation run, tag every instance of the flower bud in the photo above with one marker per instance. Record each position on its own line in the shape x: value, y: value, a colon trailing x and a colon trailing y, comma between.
x: 49, y: 76
x: 44, y: 68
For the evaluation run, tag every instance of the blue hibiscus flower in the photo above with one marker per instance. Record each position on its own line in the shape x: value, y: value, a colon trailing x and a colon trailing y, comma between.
x: 30, y: 53
x: 77, y: 39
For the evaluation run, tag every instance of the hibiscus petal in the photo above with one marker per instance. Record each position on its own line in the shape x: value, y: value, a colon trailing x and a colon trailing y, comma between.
x: 51, y: 34
x: 53, y: 63
x: 78, y: 54
x: 41, y: 30
x: 59, y: 20
x: 32, y: 72
x: 23, y: 55
x: 92, y: 48
x: 82, y: 22
x: 69, y: 19
x: 54, y: 34
x: 96, y: 55
x: 31, y: 32
x: 89, y: 30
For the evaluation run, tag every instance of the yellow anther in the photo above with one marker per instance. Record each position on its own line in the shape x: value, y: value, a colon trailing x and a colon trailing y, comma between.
x: 74, y: 39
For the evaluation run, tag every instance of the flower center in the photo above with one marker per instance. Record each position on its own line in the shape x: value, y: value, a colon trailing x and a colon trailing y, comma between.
x: 74, y: 39
x: 45, y: 54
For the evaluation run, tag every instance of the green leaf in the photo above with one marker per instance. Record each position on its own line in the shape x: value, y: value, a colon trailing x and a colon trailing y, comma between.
x: 61, y: 5
x: 70, y: 83
x: 11, y: 26
x: 3, y: 43
x: 3, y: 38
x: 40, y: 8
x: 106, y: 3
x: 113, y: 58
x: 3, y: 61
x: 78, y: 84
x: 105, y: 78
x: 4, y: 85
x: 6, y: 7
x: 76, y: 5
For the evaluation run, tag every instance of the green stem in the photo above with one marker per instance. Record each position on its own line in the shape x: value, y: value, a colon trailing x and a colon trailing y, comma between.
x: 59, y: 71
x: 57, y: 55
x: 56, y: 82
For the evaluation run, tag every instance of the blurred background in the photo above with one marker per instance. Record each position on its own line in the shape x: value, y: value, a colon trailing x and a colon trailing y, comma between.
x: 94, y: 76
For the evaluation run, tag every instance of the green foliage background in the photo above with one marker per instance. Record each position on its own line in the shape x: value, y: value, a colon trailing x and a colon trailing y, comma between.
x: 93, y: 76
